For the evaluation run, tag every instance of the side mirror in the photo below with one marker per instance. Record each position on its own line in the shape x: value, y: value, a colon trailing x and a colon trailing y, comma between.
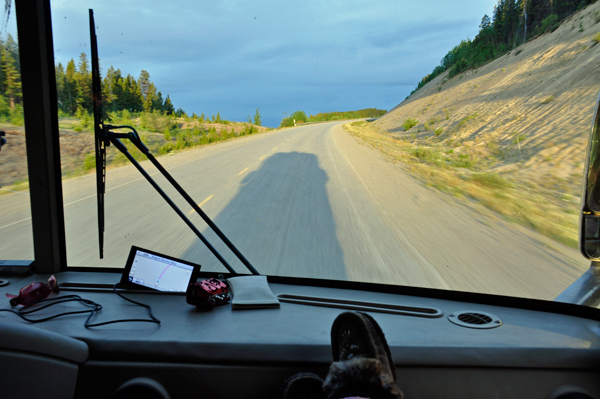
x: 589, y: 218
x: 2, y: 139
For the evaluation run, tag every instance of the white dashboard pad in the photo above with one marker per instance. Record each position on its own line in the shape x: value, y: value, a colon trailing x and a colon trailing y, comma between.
x: 159, y: 273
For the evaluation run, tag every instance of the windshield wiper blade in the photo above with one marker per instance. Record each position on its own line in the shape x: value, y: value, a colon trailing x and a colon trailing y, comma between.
x: 100, y: 141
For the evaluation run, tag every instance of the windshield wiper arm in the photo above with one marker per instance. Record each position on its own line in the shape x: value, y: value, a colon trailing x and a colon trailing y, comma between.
x: 134, y: 138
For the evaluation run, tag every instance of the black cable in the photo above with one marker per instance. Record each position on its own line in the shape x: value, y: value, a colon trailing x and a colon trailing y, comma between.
x: 153, y: 319
x: 22, y: 313
x: 51, y: 302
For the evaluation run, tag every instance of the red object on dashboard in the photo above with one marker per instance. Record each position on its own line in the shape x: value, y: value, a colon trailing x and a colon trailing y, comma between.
x: 34, y: 292
x: 207, y: 294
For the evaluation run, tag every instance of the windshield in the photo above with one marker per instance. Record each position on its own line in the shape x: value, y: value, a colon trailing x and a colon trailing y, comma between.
x: 427, y: 144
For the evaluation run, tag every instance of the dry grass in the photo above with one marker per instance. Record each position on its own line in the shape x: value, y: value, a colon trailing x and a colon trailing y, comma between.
x: 77, y: 147
x: 512, y: 133
x: 519, y: 201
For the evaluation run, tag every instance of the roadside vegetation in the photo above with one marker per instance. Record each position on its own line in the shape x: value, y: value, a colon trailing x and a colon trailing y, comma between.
x: 126, y: 101
x: 496, y: 125
x: 300, y: 116
x: 459, y: 171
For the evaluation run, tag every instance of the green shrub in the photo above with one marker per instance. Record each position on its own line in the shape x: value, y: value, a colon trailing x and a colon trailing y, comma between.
x: 89, y: 162
x: 409, y: 123
x: 426, y: 155
x: 597, y: 38
x: 78, y: 128
x: 490, y: 180
x: 547, y: 100
x: 438, y: 131
x: 466, y: 119
x: 549, y: 23
x: 463, y: 161
x: 298, y: 116
x: 16, y: 115
x: 4, y: 109
x: 519, y: 138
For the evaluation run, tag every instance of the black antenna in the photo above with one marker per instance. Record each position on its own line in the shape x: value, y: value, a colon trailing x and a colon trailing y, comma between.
x: 100, y: 140
x: 103, y: 138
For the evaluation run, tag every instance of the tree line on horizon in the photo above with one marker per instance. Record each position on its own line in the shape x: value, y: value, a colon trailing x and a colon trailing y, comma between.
x: 300, y: 116
x: 121, y: 95
x: 74, y: 88
x: 361, y: 113
x: 513, y: 22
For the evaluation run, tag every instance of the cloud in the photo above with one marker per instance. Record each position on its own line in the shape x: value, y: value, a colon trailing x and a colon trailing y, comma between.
x: 281, y: 56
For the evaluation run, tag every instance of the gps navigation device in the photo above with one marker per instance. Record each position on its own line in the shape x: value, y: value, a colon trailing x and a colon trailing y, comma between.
x: 151, y: 270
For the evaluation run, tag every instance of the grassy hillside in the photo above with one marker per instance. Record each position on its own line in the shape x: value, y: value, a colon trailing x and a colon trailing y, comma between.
x: 162, y: 134
x: 510, y: 135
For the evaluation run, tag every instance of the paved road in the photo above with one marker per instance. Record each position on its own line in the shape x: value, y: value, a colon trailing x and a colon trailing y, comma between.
x: 308, y: 201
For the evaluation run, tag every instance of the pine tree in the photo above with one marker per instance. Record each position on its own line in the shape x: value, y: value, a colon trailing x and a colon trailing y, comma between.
x: 13, y: 48
x: 110, y: 90
x: 60, y: 87
x: 11, y: 77
x: 257, y: 120
x: 83, y: 78
x: 148, y: 98
x: 72, y: 91
x: 169, y: 109
x: 158, y: 102
x: 144, y: 83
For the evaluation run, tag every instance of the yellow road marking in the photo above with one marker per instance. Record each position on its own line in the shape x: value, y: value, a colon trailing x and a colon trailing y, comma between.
x: 202, y: 203
x: 274, y: 149
x: 262, y: 157
x: 243, y: 171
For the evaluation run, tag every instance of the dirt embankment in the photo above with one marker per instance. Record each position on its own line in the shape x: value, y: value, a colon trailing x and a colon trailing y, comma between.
x: 523, y: 120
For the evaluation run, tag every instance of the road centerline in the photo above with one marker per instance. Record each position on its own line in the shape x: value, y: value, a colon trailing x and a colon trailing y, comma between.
x: 202, y: 203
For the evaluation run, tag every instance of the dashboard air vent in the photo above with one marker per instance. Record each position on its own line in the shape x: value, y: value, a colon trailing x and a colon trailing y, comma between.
x: 475, y: 319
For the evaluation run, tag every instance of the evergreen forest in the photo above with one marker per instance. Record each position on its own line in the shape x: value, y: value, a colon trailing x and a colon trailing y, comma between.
x: 11, y: 107
x: 123, y: 96
x: 513, y: 22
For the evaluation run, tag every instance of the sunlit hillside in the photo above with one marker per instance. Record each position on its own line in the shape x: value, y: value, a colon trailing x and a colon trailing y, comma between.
x: 519, y: 125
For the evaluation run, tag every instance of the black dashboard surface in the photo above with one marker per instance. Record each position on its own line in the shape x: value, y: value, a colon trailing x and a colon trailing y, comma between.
x: 559, y: 349
x: 300, y: 333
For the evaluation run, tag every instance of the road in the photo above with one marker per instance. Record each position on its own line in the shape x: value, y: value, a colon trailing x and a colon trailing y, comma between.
x: 308, y: 201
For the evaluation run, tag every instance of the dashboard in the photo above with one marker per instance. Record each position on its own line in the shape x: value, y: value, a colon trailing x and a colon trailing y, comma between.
x: 226, y: 353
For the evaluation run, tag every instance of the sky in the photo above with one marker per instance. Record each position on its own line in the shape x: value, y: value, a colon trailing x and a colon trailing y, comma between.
x: 233, y: 57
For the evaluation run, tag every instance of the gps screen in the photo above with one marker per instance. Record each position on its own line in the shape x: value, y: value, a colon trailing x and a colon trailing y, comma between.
x: 159, y: 273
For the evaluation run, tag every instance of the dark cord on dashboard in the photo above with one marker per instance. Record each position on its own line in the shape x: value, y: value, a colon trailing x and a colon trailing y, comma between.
x: 22, y: 313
